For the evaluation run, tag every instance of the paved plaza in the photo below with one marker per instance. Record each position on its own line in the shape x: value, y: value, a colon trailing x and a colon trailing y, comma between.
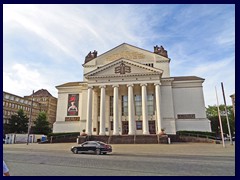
x: 175, y: 159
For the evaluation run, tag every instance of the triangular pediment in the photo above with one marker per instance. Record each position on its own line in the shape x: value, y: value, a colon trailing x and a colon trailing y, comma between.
x: 122, y: 67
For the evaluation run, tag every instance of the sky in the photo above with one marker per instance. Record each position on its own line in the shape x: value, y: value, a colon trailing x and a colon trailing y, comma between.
x: 45, y: 45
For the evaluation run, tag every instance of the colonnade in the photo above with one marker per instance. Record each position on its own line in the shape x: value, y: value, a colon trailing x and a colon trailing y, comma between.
x: 131, y: 113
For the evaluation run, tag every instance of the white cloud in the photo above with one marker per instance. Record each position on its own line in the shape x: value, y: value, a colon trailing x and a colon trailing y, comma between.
x: 22, y: 79
x: 45, y: 45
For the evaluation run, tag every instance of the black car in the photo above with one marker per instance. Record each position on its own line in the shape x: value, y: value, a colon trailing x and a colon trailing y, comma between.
x: 96, y: 147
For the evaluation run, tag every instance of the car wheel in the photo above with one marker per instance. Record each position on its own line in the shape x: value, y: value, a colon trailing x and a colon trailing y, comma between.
x: 75, y: 151
x: 98, y: 152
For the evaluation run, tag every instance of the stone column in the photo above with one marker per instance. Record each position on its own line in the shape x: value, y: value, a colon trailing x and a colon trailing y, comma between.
x: 89, y: 112
x: 115, y: 111
x: 102, y: 111
x: 158, y: 107
x: 131, y: 114
x: 144, y: 109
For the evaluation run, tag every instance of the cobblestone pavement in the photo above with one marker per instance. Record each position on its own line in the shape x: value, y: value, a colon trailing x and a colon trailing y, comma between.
x: 126, y: 159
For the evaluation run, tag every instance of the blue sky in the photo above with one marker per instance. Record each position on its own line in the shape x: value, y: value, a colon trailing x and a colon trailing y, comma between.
x: 45, y: 45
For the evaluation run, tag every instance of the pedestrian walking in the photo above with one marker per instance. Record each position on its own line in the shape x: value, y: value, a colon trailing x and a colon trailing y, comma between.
x: 5, y: 170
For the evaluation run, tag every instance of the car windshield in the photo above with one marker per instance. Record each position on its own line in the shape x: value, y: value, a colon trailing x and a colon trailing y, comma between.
x: 102, y: 143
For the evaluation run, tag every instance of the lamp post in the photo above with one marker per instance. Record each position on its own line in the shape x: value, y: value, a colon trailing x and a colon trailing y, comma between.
x: 30, y: 119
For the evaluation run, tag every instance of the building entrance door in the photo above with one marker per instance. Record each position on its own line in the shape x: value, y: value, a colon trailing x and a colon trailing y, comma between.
x: 124, y: 127
x: 152, y: 127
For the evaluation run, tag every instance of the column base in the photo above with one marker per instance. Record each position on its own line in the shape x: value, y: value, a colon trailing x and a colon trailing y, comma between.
x: 116, y: 133
x: 102, y: 133
x: 88, y: 133
x: 146, y: 133
x: 131, y: 133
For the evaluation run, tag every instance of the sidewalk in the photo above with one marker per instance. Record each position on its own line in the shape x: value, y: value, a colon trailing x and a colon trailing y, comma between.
x: 207, y: 149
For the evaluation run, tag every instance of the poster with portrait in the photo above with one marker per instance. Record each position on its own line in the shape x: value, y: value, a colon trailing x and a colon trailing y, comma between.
x: 72, y: 109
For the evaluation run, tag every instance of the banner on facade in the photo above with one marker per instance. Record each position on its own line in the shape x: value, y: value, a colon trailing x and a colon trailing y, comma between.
x: 73, y: 104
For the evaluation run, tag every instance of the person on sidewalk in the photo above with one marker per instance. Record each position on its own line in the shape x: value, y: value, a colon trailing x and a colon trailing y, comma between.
x: 5, y: 170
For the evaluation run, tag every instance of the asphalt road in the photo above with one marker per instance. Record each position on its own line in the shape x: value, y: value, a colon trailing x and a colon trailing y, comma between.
x: 184, y: 159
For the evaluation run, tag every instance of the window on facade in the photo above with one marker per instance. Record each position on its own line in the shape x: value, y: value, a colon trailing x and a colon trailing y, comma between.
x: 111, y: 125
x: 139, y: 125
x: 124, y: 105
x: 111, y: 105
x: 138, y: 105
x: 150, y: 104
x: 98, y: 112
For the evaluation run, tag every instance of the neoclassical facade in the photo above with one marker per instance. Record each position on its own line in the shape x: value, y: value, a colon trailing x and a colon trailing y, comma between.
x: 129, y: 91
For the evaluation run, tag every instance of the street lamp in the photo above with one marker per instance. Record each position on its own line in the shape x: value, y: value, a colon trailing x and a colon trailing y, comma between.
x: 30, y: 119
x: 226, y: 113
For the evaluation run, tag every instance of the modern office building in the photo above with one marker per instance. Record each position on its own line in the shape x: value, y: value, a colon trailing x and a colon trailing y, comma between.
x: 128, y: 90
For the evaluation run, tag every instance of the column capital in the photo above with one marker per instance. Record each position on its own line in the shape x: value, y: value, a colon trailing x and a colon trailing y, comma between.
x: 130, y: 85
x: 115, y: 85
x: 90, y: 87
x: 143, y: 84
x: 155, y: 84
x: 103, y: 86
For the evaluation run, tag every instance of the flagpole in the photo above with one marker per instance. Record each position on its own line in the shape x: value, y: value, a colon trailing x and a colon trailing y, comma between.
x: 219, y: 117
x: 229, y: 131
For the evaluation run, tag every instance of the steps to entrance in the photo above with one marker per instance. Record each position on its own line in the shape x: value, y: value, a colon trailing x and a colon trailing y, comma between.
x: 126, y: 139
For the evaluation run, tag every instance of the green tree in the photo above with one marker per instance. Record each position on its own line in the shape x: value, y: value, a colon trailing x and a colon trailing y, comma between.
x: 212, y: 115
x: 18, y: 123
x: 41, y: 125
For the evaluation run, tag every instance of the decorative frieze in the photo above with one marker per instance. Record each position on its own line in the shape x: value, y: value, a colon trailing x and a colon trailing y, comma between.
x: 126, y: 54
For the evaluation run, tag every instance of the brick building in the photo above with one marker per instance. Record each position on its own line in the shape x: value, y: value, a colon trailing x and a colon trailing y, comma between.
x: 42, y: 101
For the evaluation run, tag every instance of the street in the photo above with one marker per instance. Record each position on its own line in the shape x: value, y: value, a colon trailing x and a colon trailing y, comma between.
x: 183, y: 159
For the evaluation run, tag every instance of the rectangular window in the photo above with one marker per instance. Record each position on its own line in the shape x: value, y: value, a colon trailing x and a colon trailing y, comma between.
x: 139, y: 125
x: 138, y: 105
x: 98, y: 105
x: 124, y: 105
x: 111, y: 125
x: 150, y: 104
x: 111, y: 105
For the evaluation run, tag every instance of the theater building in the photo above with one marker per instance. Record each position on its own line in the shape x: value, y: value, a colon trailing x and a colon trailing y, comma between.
x: 129, y: 91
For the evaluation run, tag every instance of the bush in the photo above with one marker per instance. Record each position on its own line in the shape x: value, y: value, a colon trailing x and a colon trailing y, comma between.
x: 62, y: 134
x: 199, y: 133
